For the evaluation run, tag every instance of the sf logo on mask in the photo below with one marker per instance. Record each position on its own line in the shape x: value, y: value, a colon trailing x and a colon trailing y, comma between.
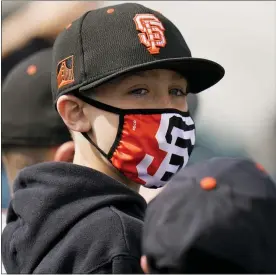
x: 152, y: 29
x: 176, y: 137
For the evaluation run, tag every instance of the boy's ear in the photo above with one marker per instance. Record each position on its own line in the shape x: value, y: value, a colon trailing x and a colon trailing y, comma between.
x: 144, y: 264
x: 70, y: 109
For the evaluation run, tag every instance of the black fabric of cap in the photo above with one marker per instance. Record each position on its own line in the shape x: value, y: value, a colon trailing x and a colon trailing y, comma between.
x: 33, y: 46
x: 104, y: 44
x: 28, y: 115
x: 228, y: 229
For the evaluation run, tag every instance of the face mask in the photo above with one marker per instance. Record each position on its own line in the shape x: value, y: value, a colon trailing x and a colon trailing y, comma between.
x: 151, y: 145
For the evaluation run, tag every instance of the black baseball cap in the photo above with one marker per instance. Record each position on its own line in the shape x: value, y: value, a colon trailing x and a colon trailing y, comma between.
x: 28, y: 115
x: 220, y: 219
x: 109, y: 42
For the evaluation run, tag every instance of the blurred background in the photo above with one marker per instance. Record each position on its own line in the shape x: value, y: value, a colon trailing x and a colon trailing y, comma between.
x: 236, y: 117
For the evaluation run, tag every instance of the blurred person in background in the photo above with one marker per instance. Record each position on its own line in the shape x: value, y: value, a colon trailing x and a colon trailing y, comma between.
x: 5, y: 192
x: 42, y: 20
x: 28, y: 27
x: 122, y: 93
x: 8, y: 61
x: 32, y: 131
x: 219, y: 219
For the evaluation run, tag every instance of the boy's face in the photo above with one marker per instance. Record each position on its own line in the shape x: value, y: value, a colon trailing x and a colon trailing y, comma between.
x: 155, y: 89
x: 152, y: 89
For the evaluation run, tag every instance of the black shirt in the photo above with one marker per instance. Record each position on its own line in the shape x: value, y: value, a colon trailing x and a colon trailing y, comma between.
x: 66, y: 218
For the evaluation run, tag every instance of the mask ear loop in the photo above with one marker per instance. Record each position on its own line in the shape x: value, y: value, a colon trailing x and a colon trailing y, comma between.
x: 104, y: 107
x: 93, y: 143
x: 98, y: 104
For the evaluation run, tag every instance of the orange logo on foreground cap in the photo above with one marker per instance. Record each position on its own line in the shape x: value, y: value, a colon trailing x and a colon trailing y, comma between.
x: 152, y: 29
x: 208, y: 183
x: 31, y: 70
x: 65, y: 73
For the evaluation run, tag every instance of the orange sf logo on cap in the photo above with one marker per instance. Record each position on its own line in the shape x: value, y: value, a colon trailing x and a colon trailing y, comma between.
x: 152, y: 29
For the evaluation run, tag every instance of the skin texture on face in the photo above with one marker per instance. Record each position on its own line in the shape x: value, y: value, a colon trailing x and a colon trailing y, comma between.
x: 152, y: 89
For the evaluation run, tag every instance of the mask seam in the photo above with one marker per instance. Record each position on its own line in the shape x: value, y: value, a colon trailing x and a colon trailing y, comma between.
x: 118, y: 137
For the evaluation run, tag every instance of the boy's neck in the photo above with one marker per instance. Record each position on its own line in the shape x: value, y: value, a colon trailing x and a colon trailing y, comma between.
x: 97, y: 164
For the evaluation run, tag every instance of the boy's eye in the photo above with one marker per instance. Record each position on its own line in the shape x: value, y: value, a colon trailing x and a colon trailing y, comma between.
x: 177, y: 92
x: 174, y: 92
x: 139, y: 92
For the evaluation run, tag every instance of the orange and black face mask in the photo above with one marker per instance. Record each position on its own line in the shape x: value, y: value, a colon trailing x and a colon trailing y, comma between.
x: 151, y: 145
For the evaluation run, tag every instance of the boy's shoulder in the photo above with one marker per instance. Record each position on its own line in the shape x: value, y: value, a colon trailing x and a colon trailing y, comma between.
x: 77, y: 220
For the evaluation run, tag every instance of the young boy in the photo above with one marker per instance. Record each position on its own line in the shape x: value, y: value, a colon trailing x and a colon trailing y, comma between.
x: 120, y: 79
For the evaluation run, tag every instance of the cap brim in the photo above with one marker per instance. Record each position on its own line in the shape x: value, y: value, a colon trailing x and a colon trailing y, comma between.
x: 200, y: 73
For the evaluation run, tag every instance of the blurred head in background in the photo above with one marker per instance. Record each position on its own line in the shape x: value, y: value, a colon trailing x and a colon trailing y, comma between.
x: 219, y: 219
x: 28, y: 27
x: 32, y: 130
